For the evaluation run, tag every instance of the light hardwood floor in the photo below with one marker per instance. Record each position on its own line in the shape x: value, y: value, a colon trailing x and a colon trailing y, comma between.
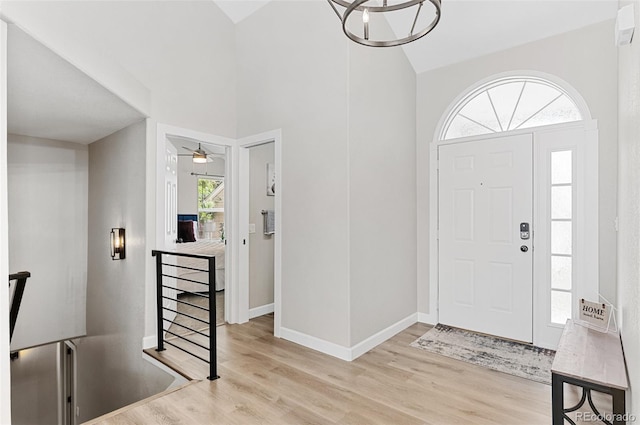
x: 265, y: 380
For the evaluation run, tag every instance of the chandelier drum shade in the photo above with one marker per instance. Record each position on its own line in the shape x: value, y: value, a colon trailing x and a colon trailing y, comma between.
x: 412, y: 13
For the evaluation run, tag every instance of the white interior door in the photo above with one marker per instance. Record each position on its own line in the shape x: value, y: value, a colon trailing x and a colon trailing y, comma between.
x: 485, y: 268
x: 170, y: 223
x: 171, y: 196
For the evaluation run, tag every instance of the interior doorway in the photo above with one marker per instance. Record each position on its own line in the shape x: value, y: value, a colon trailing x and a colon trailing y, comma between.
x: 67, y: 383
x: 236, y: 218
x: 200, y: 215
x: 196, y: 211
x: 260, y: 225
x: 261, y: 232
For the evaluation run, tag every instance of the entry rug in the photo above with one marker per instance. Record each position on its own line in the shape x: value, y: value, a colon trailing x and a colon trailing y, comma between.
x: 514, y: 358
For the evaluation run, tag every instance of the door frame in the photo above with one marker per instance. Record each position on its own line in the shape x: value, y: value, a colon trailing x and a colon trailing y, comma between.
x: 242, y: 168
x: 157, y: 167
x: 67, y: 375
x: 590, y: 156
x: 5, y: 369
x: 585, y: 282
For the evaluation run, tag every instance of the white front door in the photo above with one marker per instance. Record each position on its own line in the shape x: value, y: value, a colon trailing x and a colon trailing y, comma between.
x: 485, y: 267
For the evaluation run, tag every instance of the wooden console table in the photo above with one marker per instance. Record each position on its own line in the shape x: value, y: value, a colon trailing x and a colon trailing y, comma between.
x: 593, y: 361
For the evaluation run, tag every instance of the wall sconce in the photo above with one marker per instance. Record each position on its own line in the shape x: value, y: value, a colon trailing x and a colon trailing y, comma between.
x: 117, y: 244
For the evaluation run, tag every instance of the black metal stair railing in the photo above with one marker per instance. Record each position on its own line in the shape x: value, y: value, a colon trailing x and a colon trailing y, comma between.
x: 209, y: 285
x: 21, y: 281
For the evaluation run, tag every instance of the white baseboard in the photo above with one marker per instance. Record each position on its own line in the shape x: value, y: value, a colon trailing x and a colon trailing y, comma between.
x: 428, y: 318
x: 317, y: 344
x: 261, y: 311
x: 345, y: 353
x: 149, y: 342
x: 380, y: 337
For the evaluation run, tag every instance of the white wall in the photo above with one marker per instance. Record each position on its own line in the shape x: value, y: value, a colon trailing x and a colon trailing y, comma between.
x: 587, y: 60
x: 5, y: 371
x: 43, y: 27
x: 292, y: 74
x: 187, y: 187
x: 111, y: 370
x: 34, y: 385
x: 629, y: 209
x: 261, y: 246
x: 347, y: 116
x: 173, y: 60
x: 48, y: 183
x: 382, y: 188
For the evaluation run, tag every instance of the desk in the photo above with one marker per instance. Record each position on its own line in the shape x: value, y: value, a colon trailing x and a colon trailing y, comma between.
x: 593, y: 361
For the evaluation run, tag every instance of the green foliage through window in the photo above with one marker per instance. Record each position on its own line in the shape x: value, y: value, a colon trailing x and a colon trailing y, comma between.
x: 206, y: 190
x: 211, y: 203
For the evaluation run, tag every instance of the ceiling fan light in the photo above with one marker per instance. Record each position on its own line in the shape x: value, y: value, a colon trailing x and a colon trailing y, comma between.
x: 199, y: 158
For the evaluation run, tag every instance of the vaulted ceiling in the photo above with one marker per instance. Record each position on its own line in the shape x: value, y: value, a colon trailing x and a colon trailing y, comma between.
x: 46, y: 92
x: 473, y: 28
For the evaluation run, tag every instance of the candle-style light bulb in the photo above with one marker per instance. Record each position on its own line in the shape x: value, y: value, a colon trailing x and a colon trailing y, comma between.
x: 365, y: 19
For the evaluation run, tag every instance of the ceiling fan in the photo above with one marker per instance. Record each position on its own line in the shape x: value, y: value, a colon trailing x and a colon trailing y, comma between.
x: 199, y: 155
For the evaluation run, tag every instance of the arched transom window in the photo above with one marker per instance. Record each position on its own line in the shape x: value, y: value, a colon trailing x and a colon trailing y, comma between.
x: 510, y: 104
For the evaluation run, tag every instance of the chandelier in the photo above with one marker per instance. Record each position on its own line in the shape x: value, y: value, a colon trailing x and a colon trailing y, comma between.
x: 408, y: 11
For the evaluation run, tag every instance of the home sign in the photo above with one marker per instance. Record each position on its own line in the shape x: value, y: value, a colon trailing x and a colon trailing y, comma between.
x: 596, y: 314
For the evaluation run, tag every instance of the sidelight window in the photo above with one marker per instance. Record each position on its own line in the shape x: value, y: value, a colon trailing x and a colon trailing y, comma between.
x: 562, y: 231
